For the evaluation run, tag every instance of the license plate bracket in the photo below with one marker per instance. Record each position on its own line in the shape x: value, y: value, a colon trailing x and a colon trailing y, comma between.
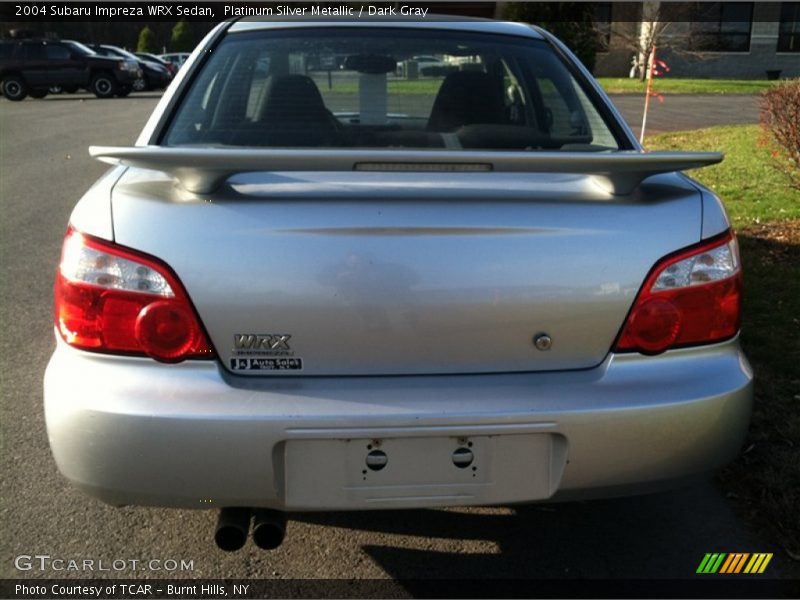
x: 420, y: 471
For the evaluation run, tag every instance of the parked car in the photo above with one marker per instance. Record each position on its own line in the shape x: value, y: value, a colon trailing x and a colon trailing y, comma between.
x: 287, y: 298
x: 31, y: 66
x: 155, y: 76
x: 427, y: 66
x: 153, y: 58
x: 431, y: 66
x: 175, y: 58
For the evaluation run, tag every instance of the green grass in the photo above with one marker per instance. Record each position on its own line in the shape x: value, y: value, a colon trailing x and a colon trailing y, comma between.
x: 764, y: 481
x: 753, y: 190
x: 612, y: 85
x: 428, y: 87
x: 669, y: 85
x: 418, y: 86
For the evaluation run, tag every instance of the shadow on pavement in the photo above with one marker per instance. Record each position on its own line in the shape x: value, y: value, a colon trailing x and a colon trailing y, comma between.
x: 657, y: 536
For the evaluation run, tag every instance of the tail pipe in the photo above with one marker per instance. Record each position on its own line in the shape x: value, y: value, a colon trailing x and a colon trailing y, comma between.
x: 269, y: 528
x: 233, y: 526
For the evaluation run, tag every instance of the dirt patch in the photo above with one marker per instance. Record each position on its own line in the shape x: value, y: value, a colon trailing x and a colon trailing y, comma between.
x: 786, y: 234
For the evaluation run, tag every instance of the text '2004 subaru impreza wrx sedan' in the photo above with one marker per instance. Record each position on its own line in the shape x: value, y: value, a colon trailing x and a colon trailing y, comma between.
x: 323, y: 279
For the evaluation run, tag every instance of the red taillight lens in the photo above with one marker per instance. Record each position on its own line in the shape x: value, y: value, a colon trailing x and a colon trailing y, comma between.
x: 114, y: 300
x: 166, y: 330
x: 692, y: 297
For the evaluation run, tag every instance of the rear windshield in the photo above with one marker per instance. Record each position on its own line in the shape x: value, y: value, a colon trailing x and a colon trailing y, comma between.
x: 120, y: 52
x: 79, y: 48
x: 384, y: 88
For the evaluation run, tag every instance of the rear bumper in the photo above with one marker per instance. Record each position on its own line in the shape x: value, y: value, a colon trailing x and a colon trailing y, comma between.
x: 132, y: 431
x: 157, y: 80
x: 126, y: 77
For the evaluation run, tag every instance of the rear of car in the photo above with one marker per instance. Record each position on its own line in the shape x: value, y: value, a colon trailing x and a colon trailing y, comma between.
x: 155, y: 75
x: 316, y: 289
x: 176, y: 59
x: 151, y: 75
x: 171, y: 69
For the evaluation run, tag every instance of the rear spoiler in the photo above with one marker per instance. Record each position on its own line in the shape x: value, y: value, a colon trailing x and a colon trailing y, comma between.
x: 202, y: 170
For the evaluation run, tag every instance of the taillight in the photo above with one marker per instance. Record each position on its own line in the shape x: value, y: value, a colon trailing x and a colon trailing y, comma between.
x: 692, y: 297
x: 114, y: 300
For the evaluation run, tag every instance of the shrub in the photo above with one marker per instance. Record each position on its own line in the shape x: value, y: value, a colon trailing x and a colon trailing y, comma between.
x: 780, y: 120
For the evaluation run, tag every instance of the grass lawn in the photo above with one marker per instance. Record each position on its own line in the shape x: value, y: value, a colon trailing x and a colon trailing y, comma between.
x: 612, y: 85
x: 624, y: 85
x: 764, y: 482
x: 428, y: 87
x: 752, y: 189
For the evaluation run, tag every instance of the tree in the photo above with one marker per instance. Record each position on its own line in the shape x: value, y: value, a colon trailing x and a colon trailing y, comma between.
x: 651, y: 29
x: 147, y: 41
x: 640, y: 37
x: 182, y: 39
x: 571, y: 22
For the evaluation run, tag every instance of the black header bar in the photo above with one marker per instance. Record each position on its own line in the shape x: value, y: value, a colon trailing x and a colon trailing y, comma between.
x: 713, y: 586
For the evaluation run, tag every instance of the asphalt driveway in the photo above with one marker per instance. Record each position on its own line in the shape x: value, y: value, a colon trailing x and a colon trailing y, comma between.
x: 679, y: 112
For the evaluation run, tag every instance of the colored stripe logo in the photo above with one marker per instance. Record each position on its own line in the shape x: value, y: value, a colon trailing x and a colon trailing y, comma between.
x: 734, y: 563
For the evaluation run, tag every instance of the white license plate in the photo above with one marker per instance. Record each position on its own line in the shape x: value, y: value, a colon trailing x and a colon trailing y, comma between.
x: 421, y: 471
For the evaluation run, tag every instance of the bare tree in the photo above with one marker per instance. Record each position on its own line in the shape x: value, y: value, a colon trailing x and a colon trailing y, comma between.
x: 651, y: 29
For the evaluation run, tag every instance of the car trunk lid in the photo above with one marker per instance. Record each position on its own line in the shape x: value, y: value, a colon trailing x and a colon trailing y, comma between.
x: 373, y: 273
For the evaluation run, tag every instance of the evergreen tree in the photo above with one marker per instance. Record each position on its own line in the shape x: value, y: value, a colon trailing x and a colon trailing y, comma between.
x: 182, y: 39
x: 147, y: 41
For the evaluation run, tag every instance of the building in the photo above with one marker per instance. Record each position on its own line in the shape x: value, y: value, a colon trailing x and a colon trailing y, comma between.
x: 724, y: 40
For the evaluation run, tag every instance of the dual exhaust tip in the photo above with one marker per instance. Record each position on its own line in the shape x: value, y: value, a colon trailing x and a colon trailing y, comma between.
x: 233, y: 527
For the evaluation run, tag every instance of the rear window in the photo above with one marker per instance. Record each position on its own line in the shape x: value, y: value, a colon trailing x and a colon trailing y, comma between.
x: 122, y: 53
x: 384, y: 88
x: 80, y: 48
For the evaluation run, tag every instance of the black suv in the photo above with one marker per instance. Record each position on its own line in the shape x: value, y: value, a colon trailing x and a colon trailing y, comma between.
x: 31, y: 66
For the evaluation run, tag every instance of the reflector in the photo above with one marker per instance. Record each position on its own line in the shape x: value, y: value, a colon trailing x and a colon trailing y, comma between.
x: 165, y: 330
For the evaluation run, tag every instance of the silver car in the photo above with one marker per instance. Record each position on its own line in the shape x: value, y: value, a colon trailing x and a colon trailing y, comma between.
x: 307, y: 289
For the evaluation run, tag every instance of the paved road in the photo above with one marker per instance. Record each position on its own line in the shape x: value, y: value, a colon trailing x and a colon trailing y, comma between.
x: 45, y: 169
x: 679, y: 112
